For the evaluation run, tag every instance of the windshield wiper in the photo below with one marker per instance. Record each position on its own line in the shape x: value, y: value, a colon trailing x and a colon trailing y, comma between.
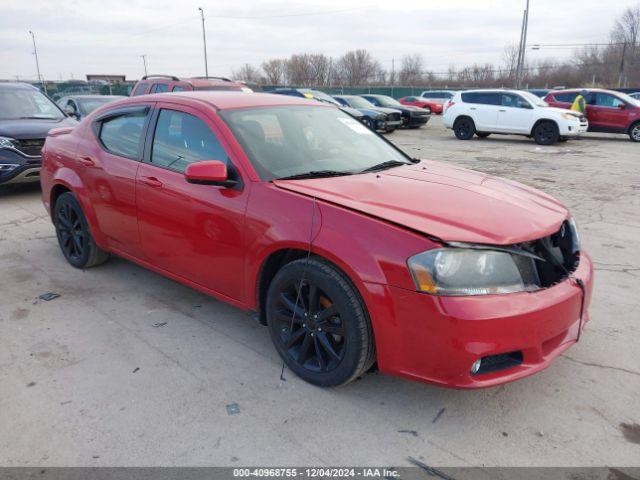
x: 316, y: 174
x: 384, y: 166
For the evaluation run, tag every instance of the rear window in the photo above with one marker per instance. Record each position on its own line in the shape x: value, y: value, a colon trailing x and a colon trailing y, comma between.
x: 121, y: 135
x: 140, y: 89
x: 484, y: 98
x: 565, y: 97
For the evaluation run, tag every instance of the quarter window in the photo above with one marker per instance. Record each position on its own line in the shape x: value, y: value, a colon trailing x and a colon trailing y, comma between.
x: 181, y: 139
x: 121, y: 135
x: 140, y: 88
x: 565, y: 97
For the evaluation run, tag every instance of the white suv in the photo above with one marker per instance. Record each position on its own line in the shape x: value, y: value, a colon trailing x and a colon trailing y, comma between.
x: 483, y: 112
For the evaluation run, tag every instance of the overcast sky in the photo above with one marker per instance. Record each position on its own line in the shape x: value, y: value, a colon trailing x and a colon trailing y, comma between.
x: 108, y: 36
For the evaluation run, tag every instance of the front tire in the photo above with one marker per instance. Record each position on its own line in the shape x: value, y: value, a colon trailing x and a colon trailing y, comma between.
x: 324, y: 334
x: 546, y: 133
x: 634, y: 132
x: 464, y: 128
x: 367, y: 122
x: 73, y: 234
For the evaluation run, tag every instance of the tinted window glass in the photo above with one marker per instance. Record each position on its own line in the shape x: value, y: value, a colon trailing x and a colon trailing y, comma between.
x: 565, y: 97
x: 181, y: 139
x: 485, y: 98
x: 140, y: 89
x: 159, y: 88
x: 121, y: 135
x: 513, y: 101
x: 178, y: 88
x: 605, y: 100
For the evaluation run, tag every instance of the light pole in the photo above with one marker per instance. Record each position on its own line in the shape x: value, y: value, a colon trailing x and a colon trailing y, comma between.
x: 204, y: 43
x: 523, y: 46
x: 35, y: 52
x: 144, y: 62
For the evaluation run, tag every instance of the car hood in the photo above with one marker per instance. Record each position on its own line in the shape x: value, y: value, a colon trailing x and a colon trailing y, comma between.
x: 450, y: 203
x: 351, y: 111
x: 32, y: 128
x: 386, y: 110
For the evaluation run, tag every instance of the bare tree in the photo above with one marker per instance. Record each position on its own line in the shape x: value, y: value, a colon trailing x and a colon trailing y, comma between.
x: 247, y: 73
x: 510, y: 62
x: 275, y: 71
x: 411, y: 69
x: 358, y: 67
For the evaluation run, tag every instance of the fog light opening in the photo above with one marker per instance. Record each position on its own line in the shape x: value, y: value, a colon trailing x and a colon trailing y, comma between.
x: 475, y: 367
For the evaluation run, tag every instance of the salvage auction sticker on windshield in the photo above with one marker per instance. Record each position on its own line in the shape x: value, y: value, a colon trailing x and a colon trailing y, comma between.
x: 356, y: 126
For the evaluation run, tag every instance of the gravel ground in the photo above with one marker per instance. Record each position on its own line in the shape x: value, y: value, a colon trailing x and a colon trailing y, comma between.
x: 129, y: 368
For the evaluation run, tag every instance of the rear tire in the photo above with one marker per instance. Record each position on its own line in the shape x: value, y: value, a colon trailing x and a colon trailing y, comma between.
x: 464, y: 128
x: 73, y: 234
x: 546, y: 133
x: 325, y: 336
x: 634, y: 132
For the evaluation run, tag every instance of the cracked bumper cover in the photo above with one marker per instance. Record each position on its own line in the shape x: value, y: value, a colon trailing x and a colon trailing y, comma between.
x: 437, y: 339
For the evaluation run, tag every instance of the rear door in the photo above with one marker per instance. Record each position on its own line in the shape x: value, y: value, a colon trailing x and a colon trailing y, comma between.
x: 109, y: 168
x: 193, y: 231
x: 483, y: 108
x: 514, y: 115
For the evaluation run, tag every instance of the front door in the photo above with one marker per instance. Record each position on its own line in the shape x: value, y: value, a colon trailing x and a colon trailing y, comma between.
x: 193, y: 231
x: 514, y: 115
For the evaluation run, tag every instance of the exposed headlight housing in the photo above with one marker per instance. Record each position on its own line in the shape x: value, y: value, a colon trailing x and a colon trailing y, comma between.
x: 466, y: 271
x: 6, y: 142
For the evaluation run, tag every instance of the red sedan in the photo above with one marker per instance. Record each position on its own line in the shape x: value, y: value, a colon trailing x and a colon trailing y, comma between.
x: 434, y: 105
x: 349, y: 251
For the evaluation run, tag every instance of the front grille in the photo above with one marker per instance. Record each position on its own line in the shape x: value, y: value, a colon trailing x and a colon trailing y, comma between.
x: 31, y: 146
x: 558, y: 258
x: 394, y: 117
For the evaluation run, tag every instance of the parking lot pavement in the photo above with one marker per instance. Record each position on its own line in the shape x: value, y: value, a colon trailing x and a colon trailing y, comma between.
x: 129, y: 368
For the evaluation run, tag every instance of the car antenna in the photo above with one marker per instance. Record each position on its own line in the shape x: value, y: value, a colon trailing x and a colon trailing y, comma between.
x: 302, y: 278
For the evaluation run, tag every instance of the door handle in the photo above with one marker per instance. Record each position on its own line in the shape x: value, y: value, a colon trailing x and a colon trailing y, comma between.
x: 87, y: 161
x: 473, y: 108
x: 502, y: 110
x: 151, y: 181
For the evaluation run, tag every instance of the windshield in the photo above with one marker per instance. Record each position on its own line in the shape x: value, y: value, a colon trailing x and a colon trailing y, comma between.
x: 321, y: 96
x: 88, y: 105
x: 292, y: 140
x: 388, y: 101
x: 27, y: 103
x: 536, y: 100
x: 359, y: 102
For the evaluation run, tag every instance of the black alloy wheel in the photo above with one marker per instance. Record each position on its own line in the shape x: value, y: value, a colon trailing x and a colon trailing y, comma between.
x: 634, y: 132
x: 73, y: 234
x: 546, y: 133
x: 318, y: 323
x: 464, y: 128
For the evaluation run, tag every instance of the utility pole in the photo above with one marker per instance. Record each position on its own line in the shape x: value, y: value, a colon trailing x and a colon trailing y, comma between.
x: 35, y: 52
x: 621, y: 72
x: 523, y: 46
x: 204, y: 43
x: 144, y: 62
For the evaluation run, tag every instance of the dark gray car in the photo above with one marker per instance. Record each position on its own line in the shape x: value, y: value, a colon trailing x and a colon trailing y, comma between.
x: 26, y: 116
x: 79, y: 106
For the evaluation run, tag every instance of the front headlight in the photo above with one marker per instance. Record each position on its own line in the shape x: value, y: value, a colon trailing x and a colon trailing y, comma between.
x: 570, y: 116
x: 575, y: 237
x: 6, y: 142
x: 460, y: 271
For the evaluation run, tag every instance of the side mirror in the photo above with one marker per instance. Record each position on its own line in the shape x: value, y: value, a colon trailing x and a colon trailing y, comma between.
x: 208, y: 172
x: 622, y: 106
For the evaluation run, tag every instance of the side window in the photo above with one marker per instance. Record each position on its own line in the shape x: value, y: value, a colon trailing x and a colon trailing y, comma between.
x: 514, y: 101
x: 605, y: 100
x: 484, y: 98
x: 121, y: 135
x: 159, y: 88
x: 140, y: 89
x: 181, y: 139
x: 565, y: 97
x: 178, y: 88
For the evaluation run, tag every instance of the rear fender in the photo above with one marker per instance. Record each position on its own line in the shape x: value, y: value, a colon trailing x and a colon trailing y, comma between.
x: 69, y: 179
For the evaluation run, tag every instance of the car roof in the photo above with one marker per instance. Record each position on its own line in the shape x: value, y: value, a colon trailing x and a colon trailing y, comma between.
x: 17, y: 86
x: 228, y: 100
x: 493, y: 90
x: 571, y: 90
x: 88, y: 97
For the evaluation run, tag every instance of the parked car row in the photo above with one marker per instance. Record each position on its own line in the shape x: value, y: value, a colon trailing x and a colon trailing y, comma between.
x: 488, y: 111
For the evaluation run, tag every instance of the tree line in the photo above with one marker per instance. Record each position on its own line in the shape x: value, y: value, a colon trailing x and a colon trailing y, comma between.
x: 615, y: 63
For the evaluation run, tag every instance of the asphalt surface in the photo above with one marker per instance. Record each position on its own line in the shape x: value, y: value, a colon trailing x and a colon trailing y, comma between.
x: 129, y: 368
